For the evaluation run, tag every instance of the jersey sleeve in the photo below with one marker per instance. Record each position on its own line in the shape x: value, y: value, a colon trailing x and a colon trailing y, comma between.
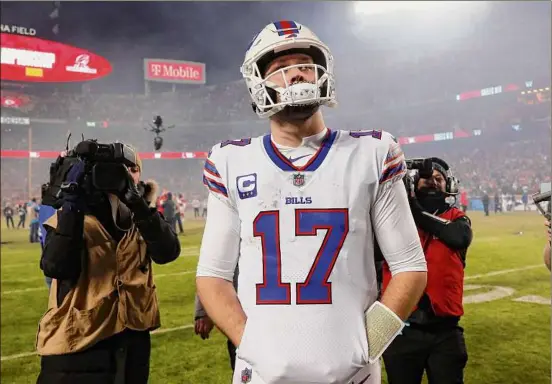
x: 220, y: 245
x: 393, y: 167
x: 392, y: 220
x: 215, y: 175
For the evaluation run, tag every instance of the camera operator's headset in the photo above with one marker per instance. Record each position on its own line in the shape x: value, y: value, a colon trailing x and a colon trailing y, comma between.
x: 452, y: 182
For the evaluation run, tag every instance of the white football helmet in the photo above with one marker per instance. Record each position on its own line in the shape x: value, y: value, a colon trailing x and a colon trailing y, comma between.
x: 281, y: 38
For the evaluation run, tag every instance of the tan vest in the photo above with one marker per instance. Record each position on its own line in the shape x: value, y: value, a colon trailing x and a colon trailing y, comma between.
x: 112, y: 293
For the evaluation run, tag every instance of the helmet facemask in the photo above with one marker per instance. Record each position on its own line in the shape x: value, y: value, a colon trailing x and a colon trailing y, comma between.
x: 297, y: 100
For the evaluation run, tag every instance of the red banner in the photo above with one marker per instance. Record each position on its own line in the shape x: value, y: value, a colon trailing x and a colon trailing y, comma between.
x: 174, y: 71
x: 17, y: 154
x: 25, y: 58
x: 203, y: 155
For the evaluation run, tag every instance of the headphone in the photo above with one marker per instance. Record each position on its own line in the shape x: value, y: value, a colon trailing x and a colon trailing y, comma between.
x: 452, y: 182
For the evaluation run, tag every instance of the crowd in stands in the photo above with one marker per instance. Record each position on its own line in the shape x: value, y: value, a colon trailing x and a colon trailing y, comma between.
x: 488, y: 164
x: 483, y: 163
x: 206, y: 115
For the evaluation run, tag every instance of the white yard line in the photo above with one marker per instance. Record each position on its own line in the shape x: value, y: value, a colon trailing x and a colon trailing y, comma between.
x: 173, y: 274
x: 182, y: 254
x: 504, y: 271
x: 20, y: 264
x: 155, y: 276
x: 24, y: 290
x: 489, y: 274
x: 156, y: 332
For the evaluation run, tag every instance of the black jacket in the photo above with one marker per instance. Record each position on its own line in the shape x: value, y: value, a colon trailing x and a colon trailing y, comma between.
x: 124, y: 357
x: 63, y: 246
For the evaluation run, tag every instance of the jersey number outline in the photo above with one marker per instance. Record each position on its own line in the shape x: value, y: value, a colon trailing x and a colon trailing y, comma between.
x: 375, y: 133
x: 238, y: 143
x: 316, y: 289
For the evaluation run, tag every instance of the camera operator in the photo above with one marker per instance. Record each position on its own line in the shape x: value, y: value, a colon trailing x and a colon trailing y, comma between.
x: 433, y: 340
x: 98, y: 250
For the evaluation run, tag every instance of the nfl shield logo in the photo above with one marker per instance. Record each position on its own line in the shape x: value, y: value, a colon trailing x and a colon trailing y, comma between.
x: 298, y: 179
x: 246, y: 375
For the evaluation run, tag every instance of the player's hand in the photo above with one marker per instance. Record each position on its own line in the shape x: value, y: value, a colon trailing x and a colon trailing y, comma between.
x: 548, y: 230
x: 203, y: 327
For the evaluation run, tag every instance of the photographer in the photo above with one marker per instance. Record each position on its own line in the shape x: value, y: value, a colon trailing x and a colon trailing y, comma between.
x: 98, y: 251
x: 433, y: 341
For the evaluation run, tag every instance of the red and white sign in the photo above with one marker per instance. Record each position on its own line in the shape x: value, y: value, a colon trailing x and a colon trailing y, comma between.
x: 174, y: 71
x: 21, y: 154
x: 13, y: 101
x: 26, y: 58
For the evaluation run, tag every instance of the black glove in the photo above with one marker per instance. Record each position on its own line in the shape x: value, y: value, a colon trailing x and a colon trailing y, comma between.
x: 132, y: 197
x: 73, y: 195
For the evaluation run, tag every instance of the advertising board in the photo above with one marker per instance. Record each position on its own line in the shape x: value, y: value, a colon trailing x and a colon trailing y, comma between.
x: 27, y: 58
x: 174, y: 71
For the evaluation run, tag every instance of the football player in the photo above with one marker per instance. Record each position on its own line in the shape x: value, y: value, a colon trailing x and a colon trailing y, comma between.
x: 298, y: 210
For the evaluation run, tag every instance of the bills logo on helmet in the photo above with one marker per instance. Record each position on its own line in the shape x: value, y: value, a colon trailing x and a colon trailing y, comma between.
x: 287, y: 28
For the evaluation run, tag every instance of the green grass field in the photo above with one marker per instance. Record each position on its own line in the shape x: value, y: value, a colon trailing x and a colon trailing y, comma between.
x: 508, y: 341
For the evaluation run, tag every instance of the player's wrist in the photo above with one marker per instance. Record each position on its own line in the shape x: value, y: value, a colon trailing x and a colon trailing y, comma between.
x: 382, y: 327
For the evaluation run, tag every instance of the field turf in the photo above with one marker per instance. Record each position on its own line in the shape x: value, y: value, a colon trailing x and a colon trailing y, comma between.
x: 508, y: 341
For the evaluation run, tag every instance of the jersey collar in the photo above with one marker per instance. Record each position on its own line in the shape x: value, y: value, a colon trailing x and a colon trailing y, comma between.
x: 316, y: 160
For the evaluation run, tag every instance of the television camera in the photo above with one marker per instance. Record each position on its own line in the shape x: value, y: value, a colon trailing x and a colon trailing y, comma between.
x: 105, y: 170
x: 417, y: 168
x: 422, y: 168
x: 157, y: 127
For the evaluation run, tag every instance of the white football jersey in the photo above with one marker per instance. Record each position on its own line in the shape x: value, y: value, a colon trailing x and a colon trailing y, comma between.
x: 304, y: 241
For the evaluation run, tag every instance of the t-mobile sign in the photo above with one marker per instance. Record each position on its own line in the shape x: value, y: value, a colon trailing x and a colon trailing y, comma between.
x: 174, y: 71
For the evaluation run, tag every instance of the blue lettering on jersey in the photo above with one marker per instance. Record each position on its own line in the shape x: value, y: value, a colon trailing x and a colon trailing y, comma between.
x: 247, y: 186
x: 298, y: 200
